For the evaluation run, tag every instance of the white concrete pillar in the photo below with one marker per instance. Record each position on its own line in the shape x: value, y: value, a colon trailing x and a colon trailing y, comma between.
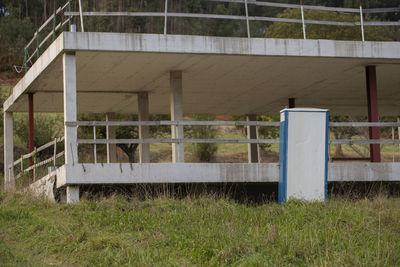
x: 143, y: 110
x: 176, y: 102
x: 252, y: 149
x: 72, y: 194
x: 70, y: 114
x: 8, y: 148
x: 111, y: 134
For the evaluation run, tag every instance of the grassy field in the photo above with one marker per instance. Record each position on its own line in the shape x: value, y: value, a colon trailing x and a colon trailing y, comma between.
x: 199, y: 231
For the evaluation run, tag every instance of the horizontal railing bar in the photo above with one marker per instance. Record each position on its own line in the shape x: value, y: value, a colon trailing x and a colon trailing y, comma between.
x: 282, y: 5
x: 48, y: 36
x: 168, y: 123
x: 232, y: 17
x: 113, y: 14
x: 370, y: 141
x: 364, y: 124
x: 46, y: 22
x: 150, y: 141
x: 31, y: 41
x: 49, y: 144
x: 381, y: 23
x: 381, y: 10
x: 63, y: 7
x: 44, y: 162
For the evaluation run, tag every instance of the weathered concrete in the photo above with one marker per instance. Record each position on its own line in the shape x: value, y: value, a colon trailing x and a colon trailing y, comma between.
x: 237, y: 72
x: 126, y: 173
x: 8, y: 148
x: 176, y: 102
x: 111, y: 134
x: 72, y: 194
x: 252, y: 149
x: 364, y: 172
x: 70, y: 108
x: 143, y: 105
x: 44, y: 187
x: 167, y: 173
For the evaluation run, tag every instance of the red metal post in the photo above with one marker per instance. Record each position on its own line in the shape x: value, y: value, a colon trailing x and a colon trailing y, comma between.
x: 30, y: 129
x: 372, y: 96
x: 292, y: 102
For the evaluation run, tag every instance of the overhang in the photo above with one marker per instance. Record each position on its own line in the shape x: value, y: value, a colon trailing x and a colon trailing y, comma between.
x: 221, y: 75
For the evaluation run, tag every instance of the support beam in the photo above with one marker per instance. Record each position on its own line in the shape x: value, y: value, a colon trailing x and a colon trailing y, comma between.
x: 72, y: 194
x: 111, y: 134
x: 70, y: 108
x: 143, y: 106
x: 8, y: 149
x: 31, y: 142
x: 373, y: 116
x: 252, y: 149
x: 176, y: 102
x: 292, y: 102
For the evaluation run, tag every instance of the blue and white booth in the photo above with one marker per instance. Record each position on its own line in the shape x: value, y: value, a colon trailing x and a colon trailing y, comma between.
x: 303, y: 154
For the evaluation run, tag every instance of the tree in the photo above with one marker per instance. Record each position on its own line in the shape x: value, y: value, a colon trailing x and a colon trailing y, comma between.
x: 294, y: 30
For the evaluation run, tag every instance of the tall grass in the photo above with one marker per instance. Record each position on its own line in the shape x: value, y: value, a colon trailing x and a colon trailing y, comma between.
x: 198, y: 231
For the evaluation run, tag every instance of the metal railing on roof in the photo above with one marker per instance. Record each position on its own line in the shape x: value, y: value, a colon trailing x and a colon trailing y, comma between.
x: 246, y: 17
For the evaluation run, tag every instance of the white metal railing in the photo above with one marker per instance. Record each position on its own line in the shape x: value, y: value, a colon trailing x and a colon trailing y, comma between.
x: 33, y: 154
x: 52, y: 34
x: 68, y: 14
x: 361, y: 23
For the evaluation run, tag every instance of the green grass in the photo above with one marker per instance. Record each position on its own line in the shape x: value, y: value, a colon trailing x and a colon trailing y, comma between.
x: 203, y: 231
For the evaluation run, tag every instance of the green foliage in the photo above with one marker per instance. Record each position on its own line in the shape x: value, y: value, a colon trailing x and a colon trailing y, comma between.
x: 295, y: 31
x: 14, y: 35
x: 199, y: 232
x: 205, y: 152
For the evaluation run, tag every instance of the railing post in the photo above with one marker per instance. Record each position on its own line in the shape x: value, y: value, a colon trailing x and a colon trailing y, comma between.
x: 165, y: 17
x: 37, y: 44
x: 247, y: 19
x: 393, y: 143
x: 95, y: 146
x: 302, y: 19
x: 69, y: 17
x: 54, y: 26
x: 362, y: 22
x: 55, y: 152
x: 34, y: 165
x: 80, y: 14
x: 26, y: 59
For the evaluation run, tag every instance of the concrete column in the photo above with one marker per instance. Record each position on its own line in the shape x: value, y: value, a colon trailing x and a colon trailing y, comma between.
x: 70, y: 113
x: 8, y: 148
x: 373, y: 116
x: 292, y: 102
x: 31, y: 132
x: 143, y: 110
x: 176, y: 102
x: 72, y: 194
x: 111, y: 134
x: 252, y: 149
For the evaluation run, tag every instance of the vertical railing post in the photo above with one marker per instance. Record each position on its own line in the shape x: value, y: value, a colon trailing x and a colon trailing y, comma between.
x: 95, y: 146
x: 302, y: 19
x: 54, y: 26
x: 55, y: 152
x: 81, y: 16
x: 393, y: 143
x: 362, y: 22
x: 247, y: 19
x: 25, y: 60
x: 69, y: 17
x: 34, y: 165
x: 37, y: 44
x: 165, y: 17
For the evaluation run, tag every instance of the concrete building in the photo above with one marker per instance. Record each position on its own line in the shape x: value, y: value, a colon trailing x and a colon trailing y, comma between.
x: 180, y: 74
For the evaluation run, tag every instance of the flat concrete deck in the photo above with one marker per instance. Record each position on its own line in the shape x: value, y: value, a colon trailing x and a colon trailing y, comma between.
x: 213, y: 173
x: 220, y: 75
